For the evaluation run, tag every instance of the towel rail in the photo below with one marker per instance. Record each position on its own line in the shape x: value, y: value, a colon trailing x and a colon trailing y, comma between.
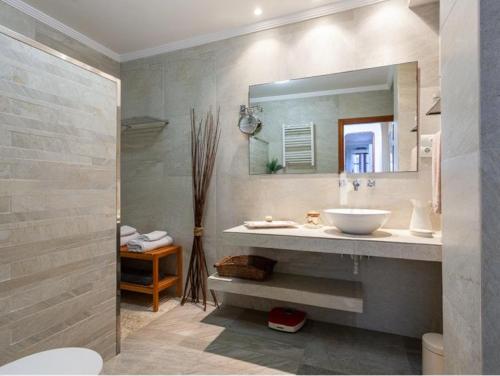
x: 298, y: 144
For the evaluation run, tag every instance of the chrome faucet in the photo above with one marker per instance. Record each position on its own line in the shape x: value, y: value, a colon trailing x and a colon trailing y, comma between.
x: 356, y: 184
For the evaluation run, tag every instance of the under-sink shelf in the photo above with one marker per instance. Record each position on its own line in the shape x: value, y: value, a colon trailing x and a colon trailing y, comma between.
x: 320, y: 292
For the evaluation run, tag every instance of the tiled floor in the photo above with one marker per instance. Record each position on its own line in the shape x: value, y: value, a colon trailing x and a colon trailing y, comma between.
x: 231, y: 340
x: 137, y: 310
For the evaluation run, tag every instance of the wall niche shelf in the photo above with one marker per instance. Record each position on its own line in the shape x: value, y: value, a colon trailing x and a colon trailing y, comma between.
x: 319, y: 292
x: 143, y: 124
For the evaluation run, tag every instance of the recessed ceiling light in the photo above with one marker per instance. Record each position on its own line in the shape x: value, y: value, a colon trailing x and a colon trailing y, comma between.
x: 257, y: 11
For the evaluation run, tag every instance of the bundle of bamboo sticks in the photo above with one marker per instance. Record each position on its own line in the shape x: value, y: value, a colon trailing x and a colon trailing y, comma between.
x: 205, y: 137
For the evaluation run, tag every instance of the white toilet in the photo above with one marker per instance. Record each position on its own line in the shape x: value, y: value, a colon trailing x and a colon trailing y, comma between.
x: 432, y: 354
x: 63, y: 361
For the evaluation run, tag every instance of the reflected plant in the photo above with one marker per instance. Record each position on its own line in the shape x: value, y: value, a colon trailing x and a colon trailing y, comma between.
x: 273, y: 166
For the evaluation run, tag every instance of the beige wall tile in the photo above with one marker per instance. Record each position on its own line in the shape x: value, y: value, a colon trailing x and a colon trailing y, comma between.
x: 470, y: 47
x: 57, y: 202
x: 219, y: 74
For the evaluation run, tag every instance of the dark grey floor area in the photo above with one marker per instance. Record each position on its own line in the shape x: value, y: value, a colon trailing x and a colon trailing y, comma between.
x: 327, y: 348
x: 236, y: 341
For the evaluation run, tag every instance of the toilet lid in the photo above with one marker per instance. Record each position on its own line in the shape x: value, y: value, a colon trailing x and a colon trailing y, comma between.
x: 67, y: 361
x: 433, y: 342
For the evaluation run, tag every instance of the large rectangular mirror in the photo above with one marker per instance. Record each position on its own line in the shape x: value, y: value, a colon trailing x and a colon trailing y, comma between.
x: 363, y: 121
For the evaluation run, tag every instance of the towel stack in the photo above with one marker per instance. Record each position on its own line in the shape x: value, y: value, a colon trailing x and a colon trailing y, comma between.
x: 127, y: 234
x: 148, y: 242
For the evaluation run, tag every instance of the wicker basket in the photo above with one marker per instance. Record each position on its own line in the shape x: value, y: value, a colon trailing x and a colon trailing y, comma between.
x: 247, y: 267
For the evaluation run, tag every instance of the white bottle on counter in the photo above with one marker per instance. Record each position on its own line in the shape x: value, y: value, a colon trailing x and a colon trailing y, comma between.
x: 420, y: 217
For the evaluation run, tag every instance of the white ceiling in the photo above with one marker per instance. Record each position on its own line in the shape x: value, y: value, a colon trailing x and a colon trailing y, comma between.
x: 127, y: 29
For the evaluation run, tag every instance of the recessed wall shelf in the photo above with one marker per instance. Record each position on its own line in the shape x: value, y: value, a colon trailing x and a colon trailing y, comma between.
x: 319, y: 292
x: 389, y: 243
x: 143, y: 123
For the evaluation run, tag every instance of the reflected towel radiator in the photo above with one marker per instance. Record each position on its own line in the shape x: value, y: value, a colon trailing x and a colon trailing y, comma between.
x: 298, y: 144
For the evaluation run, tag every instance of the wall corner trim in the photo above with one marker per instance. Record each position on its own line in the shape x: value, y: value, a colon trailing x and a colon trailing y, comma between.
x: 63, y: 28
x: 335, y: 7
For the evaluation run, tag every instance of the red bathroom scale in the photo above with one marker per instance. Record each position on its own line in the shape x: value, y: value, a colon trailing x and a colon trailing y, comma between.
x: 286, y: 319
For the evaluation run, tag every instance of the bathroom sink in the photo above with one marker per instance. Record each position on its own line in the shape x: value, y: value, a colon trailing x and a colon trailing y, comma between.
x: 357, y: 221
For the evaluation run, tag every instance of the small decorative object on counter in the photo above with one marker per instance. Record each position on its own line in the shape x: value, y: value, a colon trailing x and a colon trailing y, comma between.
x: 257, y: 268
x: 268, y: 218
x: 286, y: 319
x: 269, y: 224
x: 313, y: 219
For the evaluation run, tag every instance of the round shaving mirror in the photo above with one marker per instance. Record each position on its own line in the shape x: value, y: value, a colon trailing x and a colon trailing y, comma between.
x: 249, y: 123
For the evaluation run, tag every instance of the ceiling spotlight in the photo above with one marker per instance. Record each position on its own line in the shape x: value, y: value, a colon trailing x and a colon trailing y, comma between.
x: 257, y: 11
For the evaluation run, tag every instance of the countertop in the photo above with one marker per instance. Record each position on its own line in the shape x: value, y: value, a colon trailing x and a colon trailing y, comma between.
x: 391, y: 243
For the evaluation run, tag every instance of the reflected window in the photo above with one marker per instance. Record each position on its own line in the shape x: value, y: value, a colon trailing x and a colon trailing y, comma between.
x: 367, y: 145
x: 359, y: 151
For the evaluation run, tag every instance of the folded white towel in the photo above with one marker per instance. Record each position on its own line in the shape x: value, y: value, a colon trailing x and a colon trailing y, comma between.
x: 127, y: 230
x: 125, y: 239
x: 137, y: 245
x: 153, y: 236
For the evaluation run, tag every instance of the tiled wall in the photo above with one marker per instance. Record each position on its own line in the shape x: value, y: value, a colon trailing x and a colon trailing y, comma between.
x: 18, y: 21
x: 461, y: 219
x: 490, y: 183
x: 57, y: 204
x: 470, y: 53
x: 401, y: 297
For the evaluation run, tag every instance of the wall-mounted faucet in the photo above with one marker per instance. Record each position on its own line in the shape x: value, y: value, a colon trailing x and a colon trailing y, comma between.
x: 356, y: 184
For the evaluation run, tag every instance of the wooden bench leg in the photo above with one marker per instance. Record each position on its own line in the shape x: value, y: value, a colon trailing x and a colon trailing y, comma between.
x: 156, y: 293
x: 178, y: 287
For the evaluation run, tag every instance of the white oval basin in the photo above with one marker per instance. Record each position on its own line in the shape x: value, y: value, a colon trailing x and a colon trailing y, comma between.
x: 357, y: 221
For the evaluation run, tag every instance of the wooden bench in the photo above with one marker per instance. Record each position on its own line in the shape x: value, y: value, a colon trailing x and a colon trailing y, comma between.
x: 158, y: 284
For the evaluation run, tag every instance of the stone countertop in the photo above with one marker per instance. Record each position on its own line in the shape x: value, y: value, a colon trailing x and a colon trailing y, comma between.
x: 390, y: 243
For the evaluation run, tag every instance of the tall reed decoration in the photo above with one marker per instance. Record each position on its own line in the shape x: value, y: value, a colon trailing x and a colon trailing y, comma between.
x: 205, y: 137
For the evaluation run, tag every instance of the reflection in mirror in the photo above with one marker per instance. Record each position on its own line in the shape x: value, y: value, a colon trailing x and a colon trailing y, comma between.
x: 367, y: 145
x: 359, y: 122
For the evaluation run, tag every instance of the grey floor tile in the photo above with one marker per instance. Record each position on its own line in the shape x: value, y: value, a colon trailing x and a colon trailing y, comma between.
x: 255, y: 323
x: 305, y: 369
x: 231, y: 340
x: 256, y: 343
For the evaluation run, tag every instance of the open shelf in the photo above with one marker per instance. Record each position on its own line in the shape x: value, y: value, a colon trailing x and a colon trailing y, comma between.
x: 143, y: 123
x: 320, y: 292
x: 159, y: 283
x: 163, y: 284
